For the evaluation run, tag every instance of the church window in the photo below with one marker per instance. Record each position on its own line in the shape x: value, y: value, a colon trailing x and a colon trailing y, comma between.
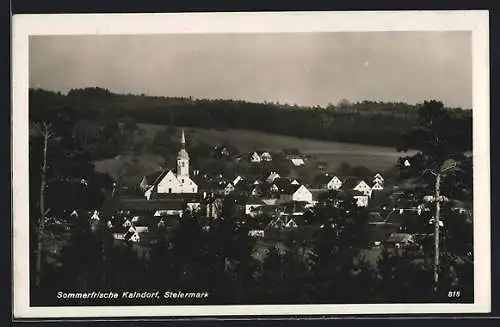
x: 183, y: 164
x: 182, y: 181
x: 170, y: 190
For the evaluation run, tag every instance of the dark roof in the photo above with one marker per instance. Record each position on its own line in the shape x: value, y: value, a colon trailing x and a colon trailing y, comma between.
x: 350, y: 182
x: 291, y: 188
x: 151, y: 178
x: 322, y: 179
x: 244, y: 185
x: 282, y: 183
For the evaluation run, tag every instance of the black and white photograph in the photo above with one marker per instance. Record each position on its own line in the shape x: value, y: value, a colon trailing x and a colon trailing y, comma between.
x: 251, y: 164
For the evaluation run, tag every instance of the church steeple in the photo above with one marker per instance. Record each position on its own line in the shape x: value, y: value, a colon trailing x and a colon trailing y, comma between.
x: 183, y: 140
x: 183, y: 159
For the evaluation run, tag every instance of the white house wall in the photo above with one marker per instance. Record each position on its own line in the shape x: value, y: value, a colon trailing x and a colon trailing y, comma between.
x: 302, y: 194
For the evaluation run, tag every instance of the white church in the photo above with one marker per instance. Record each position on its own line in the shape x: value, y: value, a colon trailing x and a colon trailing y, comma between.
x: 167, y: 181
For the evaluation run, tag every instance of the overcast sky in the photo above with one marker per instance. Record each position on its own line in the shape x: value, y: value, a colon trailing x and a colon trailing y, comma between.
x: 303, y: 69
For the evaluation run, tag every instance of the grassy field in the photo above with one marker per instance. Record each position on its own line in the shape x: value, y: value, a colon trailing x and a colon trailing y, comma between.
x: 333, y: 154
x: 374, y: 157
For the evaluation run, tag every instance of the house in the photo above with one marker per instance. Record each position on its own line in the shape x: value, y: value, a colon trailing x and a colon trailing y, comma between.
x: 228, y: 189
x: 291, y: 224
x: 297, y: 193
x: 283, y: 222
x: 252, y: 205
x: 266, y: 156
x: 132, y: 235
x: 378, y: 178
x: 272, y: 176
x: 237, y: 180
x: 363, y: 187
x: 256, y: 233
x: 274, y: 188
x: 256, y: 191
x: 327, y: 182
x: 297, y: 162
x: 361, y: 199
x: 377, y: 187
x: 167, y: 181
x: 255, y: 157
x: 95, y: 216
x: 279, y: 184
x: 355, y: 184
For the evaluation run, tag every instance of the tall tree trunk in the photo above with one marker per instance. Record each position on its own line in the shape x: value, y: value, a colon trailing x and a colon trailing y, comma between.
x: 41, y: 219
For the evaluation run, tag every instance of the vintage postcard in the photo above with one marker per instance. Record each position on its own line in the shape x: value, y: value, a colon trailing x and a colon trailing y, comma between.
x: 251, y: 164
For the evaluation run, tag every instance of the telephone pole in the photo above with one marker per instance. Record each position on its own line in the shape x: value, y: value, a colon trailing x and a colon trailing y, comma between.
x: 436, y: 230
x: 437, y: 198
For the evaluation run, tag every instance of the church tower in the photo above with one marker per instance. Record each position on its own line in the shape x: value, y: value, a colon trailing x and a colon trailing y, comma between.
x: 183, y: 159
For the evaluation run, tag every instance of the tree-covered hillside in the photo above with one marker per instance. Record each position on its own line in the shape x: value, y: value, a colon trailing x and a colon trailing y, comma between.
x: 373, y: 123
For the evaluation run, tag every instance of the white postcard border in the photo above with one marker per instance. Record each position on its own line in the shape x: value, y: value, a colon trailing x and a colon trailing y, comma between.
x: 285, y: 22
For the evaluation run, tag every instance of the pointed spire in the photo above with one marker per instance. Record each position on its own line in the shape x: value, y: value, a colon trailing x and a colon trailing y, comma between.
x: 183, y: 139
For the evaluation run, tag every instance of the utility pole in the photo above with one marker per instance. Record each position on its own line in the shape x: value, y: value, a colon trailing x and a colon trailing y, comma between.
x: 436, y: 231
x: 445, y: 167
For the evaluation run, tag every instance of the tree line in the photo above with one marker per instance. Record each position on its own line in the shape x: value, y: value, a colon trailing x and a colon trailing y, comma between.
x: 326, y: 267
x: 367, y: 122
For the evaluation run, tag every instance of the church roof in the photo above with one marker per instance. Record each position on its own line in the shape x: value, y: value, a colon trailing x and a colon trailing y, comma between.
x: 182, y: 152
x: 151, y: 178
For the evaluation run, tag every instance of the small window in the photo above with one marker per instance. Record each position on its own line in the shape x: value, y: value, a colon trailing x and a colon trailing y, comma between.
x: 170, y: 190
x: 182, y: 181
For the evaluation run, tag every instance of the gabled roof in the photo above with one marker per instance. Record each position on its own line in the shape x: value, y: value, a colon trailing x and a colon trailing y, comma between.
x: 322, y: 179
x: 350, y: 182
x: 272, y: 176
x: 154, y: 176
x: 291, y: 188
x: 282, y: 183
x: 297, y: 161
x: 159, y: 176
x: 244, y: 185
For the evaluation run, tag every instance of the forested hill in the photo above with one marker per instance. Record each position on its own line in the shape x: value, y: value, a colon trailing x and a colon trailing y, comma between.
x: 374, y: 123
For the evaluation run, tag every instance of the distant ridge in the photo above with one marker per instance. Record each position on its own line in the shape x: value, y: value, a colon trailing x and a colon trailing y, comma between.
x: 371, y: 123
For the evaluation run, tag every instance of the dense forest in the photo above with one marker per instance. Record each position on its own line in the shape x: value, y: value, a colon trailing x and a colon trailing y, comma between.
x: 373, y: 123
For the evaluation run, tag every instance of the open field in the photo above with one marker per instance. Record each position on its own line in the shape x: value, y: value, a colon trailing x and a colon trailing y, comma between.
x: 373, y: 157
x: 130, y: 167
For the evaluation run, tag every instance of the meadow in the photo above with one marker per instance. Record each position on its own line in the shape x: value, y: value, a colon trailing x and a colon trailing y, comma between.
x: 332, y: 154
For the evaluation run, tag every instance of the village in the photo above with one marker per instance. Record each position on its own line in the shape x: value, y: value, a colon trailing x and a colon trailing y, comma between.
x: 268, y: 204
